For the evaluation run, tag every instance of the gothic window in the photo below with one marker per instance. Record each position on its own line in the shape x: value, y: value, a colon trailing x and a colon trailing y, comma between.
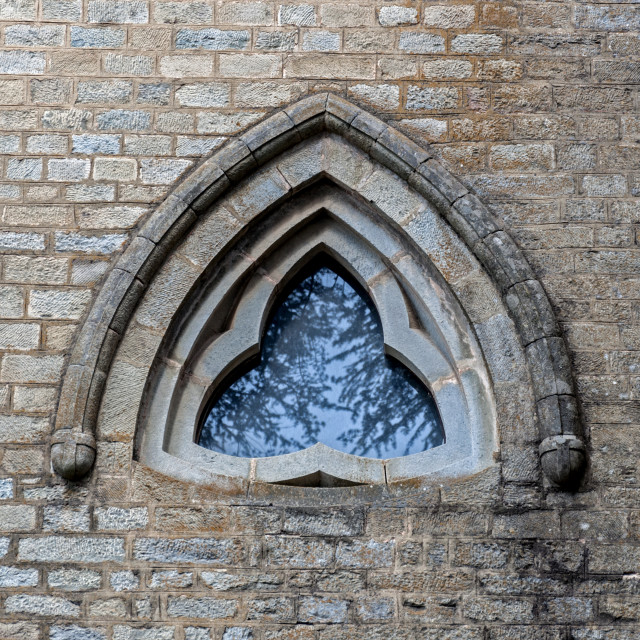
x: 321, y: 303
x: 323, y: 349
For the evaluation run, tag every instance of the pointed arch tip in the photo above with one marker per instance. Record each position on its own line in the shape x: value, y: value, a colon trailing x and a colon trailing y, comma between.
x: 238, y: 158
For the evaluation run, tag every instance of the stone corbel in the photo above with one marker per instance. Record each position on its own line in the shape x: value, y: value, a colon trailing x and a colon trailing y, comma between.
x: 72, y: 453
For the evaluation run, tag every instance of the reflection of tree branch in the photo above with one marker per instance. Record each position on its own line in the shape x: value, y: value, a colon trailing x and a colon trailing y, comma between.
x: 283, y: 404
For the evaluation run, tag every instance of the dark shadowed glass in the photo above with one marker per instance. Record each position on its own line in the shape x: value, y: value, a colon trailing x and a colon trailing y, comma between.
x: 324, y: 377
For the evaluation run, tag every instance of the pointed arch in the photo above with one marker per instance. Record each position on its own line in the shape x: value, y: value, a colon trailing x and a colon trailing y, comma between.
x: 470, y: 246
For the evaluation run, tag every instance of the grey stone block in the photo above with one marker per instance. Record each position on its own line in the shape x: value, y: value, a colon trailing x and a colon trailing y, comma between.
x: 124, y: 119
x: 75, y: 632
x: 322, y: 610
x: 118, y: 11
x: 24, y: 169
x: 42, y: 606
x: 65, y: 549
x: 63, y: 10
x: 14, y: 578
x: 97, y: 37
x: 212, y: 39
x: 225, y: 551
x: 90, y: 144
x: 105, y: 91
x: 124, y: 580
x: 209, y: 608
x: 74, y: 580
x: 154, y: 93
x: 23, y: 35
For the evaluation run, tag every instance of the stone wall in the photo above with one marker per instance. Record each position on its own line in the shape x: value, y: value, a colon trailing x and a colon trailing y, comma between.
x: 106, y: 104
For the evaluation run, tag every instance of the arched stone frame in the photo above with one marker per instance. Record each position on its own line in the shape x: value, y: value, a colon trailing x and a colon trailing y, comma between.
x: 519, y: 305
x: 423, y: 324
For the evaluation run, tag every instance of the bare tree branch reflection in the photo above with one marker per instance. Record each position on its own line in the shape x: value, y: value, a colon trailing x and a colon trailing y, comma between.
x: 324, y: 377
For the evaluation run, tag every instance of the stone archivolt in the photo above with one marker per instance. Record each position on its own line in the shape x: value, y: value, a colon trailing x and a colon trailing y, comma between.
x: 256, y: 173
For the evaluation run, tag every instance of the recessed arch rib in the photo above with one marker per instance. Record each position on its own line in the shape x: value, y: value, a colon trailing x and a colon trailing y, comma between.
x: 562, y: 451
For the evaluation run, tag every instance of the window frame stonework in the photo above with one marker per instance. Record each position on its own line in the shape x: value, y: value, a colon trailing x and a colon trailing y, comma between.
x: 499, y: 293
x: 325, y: 220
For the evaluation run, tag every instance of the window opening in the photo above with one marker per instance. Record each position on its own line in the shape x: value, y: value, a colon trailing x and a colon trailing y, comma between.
x: 323, y: 376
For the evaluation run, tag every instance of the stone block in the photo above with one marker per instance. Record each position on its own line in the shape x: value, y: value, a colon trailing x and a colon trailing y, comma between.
x: 338, y: 67
x: 514, y: 610
x: 74, y: 580
x: 244, y: 13
x: 172, y: 579
x: 6, y: 488
x: 31, y: 369
x: 66, y: 519
x: 75, y: 632
x: 18, y: 120
x: 42, y: 606
x: 419, y: 42
x: 23, y: 35
x: 115, y: 169
x: 68, y: 169
x: 118, y: 11
x: 315, y: 522
x: 276, y: 40
x: 92, y: 144
x: 346, y: 15
x: 12, y: 92
x: 121, y: 519
x: 97, y: 37
x: 249, y: 65
x: 124, y: 580
x: 24, y: 169
x: 124, y: 119
x: 298, y: 552
x: 18, y: 10
x: 154, y: 93
x: 322, y: 610
x: 208, y: 608
x: 65, y: 549
x: 432, y: 99
x: 66, y: 119
x: 226, y: 552
x: 449, y: 16
x: 104, y: 91
x: 119, y: 64
x: 365, y: 554
x: 122, y: 632
x: 299, y: 15
x: 62, y: 10
x: 204, y: 94
x: 15, y: 578
x: 182, y: 66
x: 19, y: 336
x: 47, y: 144
x: 183, y: 12
x: 162, y: 171
x: 477, y: 43
x: 212, y: 39
x: 58, y: 304
x: 395, y: 16
x: 381, y: 96
x: 318, y: 40
x: 271, y: 609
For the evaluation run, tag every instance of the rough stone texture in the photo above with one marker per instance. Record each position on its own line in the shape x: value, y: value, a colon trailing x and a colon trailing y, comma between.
x: 533, y: 105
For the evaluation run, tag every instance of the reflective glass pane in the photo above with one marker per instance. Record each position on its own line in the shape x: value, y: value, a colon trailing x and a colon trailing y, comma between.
x: 324, y: 377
